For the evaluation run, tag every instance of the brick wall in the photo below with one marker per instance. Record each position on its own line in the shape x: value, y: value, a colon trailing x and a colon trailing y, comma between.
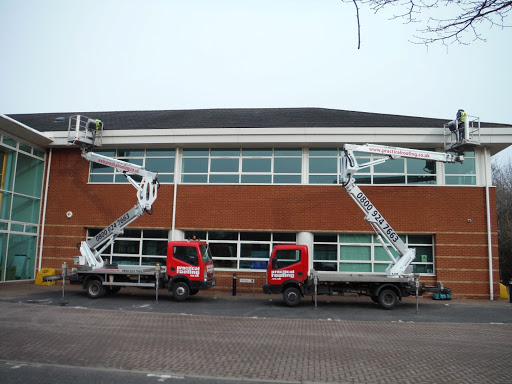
x: 460, y: 246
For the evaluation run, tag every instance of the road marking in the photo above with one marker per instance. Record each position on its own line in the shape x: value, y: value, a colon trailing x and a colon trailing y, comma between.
x: 165, y: 377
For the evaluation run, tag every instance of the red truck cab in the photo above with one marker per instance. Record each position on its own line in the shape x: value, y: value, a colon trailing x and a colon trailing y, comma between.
x: 286, y: 272
x: 189, y: 268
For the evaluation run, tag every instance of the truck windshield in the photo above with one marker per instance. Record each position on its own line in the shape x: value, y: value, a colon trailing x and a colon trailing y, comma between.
x: 205, y: 253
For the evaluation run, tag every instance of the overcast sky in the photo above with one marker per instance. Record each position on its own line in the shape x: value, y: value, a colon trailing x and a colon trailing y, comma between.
x: 106, y: 55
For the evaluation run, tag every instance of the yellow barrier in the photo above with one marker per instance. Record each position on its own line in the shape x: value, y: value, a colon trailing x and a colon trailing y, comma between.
x: 503, y: 292
x: 45, y: 272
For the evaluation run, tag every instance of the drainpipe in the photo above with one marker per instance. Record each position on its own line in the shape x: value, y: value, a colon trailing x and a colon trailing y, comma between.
x: 43, y: 220
x: 488, y: 211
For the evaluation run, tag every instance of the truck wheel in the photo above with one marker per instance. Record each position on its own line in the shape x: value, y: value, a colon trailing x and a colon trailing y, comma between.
x: 180, y: 291
x: 95, y: 289
x: 292, y: 296
x: 387, y: 298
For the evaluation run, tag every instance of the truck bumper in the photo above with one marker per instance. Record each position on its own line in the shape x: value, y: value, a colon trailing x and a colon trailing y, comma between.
x: 271, y: 289
x: 208, y: 284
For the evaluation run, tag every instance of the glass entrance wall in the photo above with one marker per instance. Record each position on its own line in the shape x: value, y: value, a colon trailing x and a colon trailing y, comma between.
x: 21, y: 184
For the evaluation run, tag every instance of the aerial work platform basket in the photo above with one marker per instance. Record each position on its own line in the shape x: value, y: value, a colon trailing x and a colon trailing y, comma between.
x: 85, y: 132
x: 465, y: 136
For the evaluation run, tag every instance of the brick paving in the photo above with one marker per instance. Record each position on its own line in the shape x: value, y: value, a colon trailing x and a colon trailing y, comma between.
x: 257, y: 348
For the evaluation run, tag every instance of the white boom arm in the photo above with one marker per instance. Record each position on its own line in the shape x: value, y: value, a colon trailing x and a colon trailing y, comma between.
x: 349, y: 166
x: 146, y: 195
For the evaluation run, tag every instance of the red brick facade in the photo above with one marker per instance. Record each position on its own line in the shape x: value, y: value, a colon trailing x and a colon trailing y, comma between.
x: 455, y: 215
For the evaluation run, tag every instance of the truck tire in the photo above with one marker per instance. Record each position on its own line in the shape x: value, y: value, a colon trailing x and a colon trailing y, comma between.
x: 387, y: 298
x: 180, y: 291
x: 292, y: 296
x: 95, y: 289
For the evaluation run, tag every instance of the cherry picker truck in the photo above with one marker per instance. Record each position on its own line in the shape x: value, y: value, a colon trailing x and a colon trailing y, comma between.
x: 189, y: 265
x: 290, y: 271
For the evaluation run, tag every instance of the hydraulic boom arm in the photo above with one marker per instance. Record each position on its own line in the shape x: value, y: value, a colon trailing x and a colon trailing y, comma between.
x: 146, y: 193
x: 402, y: 264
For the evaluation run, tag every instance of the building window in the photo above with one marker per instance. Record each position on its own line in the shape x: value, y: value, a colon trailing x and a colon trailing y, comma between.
x: 242, y: 250
x: 136, y: 247
x: 154, y: 160
x: 245, y: 166
x: 21, y: 182
x: 363, y: 253
x: 462, y: 174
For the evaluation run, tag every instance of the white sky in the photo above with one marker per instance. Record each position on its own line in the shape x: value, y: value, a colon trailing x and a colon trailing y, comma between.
x: 106, y: 55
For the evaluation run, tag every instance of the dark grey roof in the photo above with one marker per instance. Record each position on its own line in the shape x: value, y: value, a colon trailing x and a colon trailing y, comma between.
x: 232, y: 118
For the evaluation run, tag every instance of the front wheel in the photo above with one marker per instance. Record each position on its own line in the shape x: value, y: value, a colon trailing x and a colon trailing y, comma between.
x: 387, y: 298
x: 292, y: 296
x: 95, y: 289
x: 180, y: 291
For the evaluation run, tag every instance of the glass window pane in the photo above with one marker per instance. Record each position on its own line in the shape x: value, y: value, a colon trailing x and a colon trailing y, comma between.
x: 256, y: 152
x: 324, y: 179
x: 223, y: 250
x: 421, y: 179
x: 153, y: 260
x: 381, y: 254
x: 380, y: 268
x: 25, y: 148
x: 195, y: 152
x: 3, y: 246
x: 21, y: 257
x: 5, y: 205
x: 7, y: 161
x: 25, y: 209
x: 163, y: 178
x: 256, y: 165
x: 424, y: 255
x: 323, y: 152
x: 324, y: 238
x: 226, y: 264
x: 255, y: 236
x: 156, y: 234
x: 195, y: 165
x: 261, y: 251
x: 287, y: 179
x: 389, y: 179
x: 222, y: 235
x: 355, y: 267
x: 160, y: 152
x: 285, y: 237
x: 29, y: 175
x: 100, y: 168
x: 287, y: 152
x: 165, y: 165
x: 416, y: 166
x: 253, y: 264
x: 466, y: 168
x: 325, y: 252
x: 130, y: 153
x: 355, y: 238
x: 101, y: 178
x: 154, y: 247
x: 127, y: 246
x: 323, y: 165
x: 224, y: 179
x: 285, y: 165
x: 194, y: 179
x: 225, y: 152
x: 420, y: 239
x: 256, y: 179
x: 8, y: 141
x: 224, y: 165
x: 460, y: 180
x: 391, y: 166
x: 348, y: 252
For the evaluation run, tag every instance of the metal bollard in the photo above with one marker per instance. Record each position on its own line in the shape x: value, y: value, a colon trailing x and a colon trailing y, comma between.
x: 64, y: 272
x: 234, y: 284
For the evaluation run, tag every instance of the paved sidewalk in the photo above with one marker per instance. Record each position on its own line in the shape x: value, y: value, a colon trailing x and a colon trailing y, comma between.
x: 268, y: 349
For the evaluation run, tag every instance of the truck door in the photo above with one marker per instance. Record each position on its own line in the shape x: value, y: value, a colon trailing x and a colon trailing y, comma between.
x: 184, y: 261
x: 287, y: 264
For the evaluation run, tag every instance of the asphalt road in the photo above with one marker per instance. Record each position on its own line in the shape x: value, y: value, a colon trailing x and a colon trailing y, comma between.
x: 253, y: 338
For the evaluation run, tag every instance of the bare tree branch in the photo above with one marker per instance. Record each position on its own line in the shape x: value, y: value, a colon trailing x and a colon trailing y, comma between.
x: 467, y: 20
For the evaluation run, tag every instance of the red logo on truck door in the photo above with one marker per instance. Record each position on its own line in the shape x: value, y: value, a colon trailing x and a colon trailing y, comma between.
x: 282, y: 274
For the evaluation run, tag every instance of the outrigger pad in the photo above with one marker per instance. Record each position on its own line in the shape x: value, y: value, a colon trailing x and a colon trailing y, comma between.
x: 85, y: 132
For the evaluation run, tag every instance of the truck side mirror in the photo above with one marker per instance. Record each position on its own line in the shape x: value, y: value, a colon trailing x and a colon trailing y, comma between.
x: 274, y: 263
